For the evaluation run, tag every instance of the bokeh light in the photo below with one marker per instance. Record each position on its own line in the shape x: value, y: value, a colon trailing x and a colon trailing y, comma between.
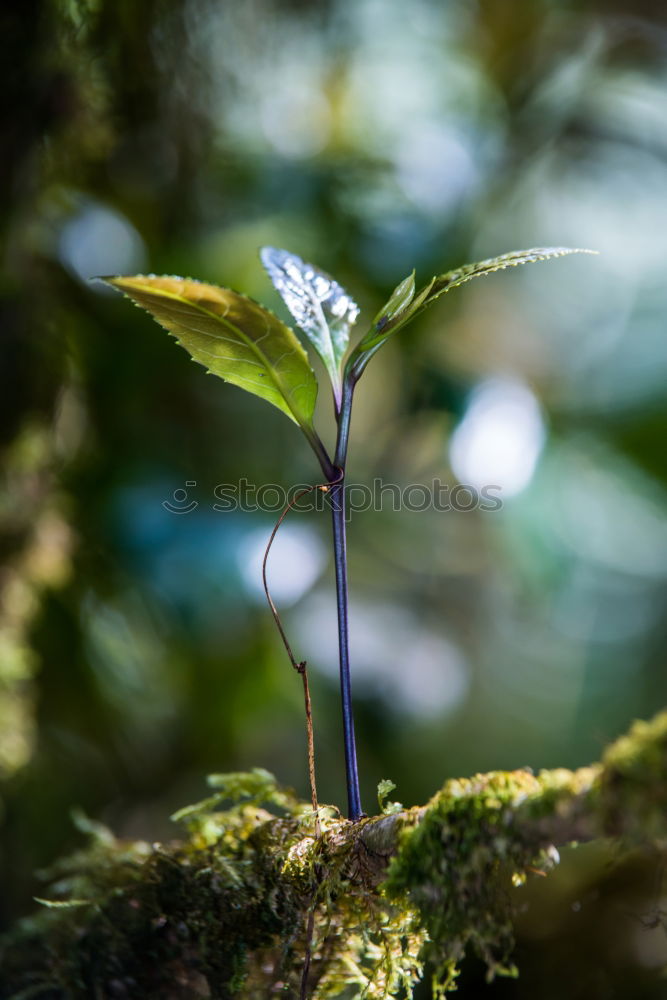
x: 500, y: 437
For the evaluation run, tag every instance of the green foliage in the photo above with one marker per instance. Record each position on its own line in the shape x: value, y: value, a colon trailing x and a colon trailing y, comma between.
x: 451, y: 880
x: 97, y: 831
x: 233, y: 337
x: 117, y: 107
x: 398, y: 301
x: 246, y: 790
x: 384, y: 788
x: 62, y: 904
x: 244, y: 343
x: 403, y: 305
x: 258, y: 786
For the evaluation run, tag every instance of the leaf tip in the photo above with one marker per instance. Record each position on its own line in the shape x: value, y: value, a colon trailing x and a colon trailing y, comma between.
x: 562, y: 251
x: 120, y: 282
x: 273, y: 258
x: 105, y: 279
x: 566, y: 251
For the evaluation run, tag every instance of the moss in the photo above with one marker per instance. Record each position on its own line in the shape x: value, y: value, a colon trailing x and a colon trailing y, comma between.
x: 225, y: 911
x: 632, y: 795
x: 173, y: 921
x: 252, y: 893
x: 459, y: 859
x: 457, y: 867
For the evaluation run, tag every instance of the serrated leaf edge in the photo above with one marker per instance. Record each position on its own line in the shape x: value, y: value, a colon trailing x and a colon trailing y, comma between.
x: 297, y: 346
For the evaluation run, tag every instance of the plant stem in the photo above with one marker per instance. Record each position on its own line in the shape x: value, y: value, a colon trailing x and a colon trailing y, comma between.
x: 335, y: 474
x: 338, y: 509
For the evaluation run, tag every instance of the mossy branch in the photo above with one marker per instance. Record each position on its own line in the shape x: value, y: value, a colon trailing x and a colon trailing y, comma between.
x: 226, y: 911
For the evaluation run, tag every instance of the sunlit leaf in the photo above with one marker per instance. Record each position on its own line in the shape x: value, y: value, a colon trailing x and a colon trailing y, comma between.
x: 403, y: 306
x: 459, y: 276
x: 233, y: 337
x: 320, y: 306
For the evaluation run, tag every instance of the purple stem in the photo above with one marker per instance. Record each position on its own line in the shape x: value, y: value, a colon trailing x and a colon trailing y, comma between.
x: 338, y: 509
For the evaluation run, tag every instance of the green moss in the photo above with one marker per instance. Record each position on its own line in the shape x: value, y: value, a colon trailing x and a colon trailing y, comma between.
x: 459, y: 859
x: 633, y: 787
x: 188, y: 914
x: 252, y: 892
x: 222, y: 914
x: 457, y: 866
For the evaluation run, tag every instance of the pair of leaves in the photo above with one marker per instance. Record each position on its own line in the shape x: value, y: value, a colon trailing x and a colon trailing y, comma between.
x: 244, y: 343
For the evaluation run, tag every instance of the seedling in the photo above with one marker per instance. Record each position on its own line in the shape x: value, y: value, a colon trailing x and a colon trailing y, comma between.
x: 244, y: 343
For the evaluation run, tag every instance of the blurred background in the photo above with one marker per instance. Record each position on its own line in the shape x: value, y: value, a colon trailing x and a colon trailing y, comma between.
x: 136, y: 651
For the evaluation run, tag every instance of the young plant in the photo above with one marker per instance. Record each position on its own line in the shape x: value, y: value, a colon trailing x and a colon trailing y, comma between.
x: 244, y: 343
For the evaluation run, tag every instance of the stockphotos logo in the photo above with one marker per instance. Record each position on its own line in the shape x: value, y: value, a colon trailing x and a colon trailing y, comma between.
x: 272, y: 497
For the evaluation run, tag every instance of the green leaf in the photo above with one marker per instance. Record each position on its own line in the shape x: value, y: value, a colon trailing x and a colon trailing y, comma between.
x: 402, y: 307
x: 254, y: 787
x: 452, y: 279
x: 398, y: 302
x: 395, y: 313
x: 384, y: 788
x: 197, y: 808
x: 257, y: 785
x: 321, y: 307
x: 100, y: 833
x: 62, y: 904
x: 233, y: 337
